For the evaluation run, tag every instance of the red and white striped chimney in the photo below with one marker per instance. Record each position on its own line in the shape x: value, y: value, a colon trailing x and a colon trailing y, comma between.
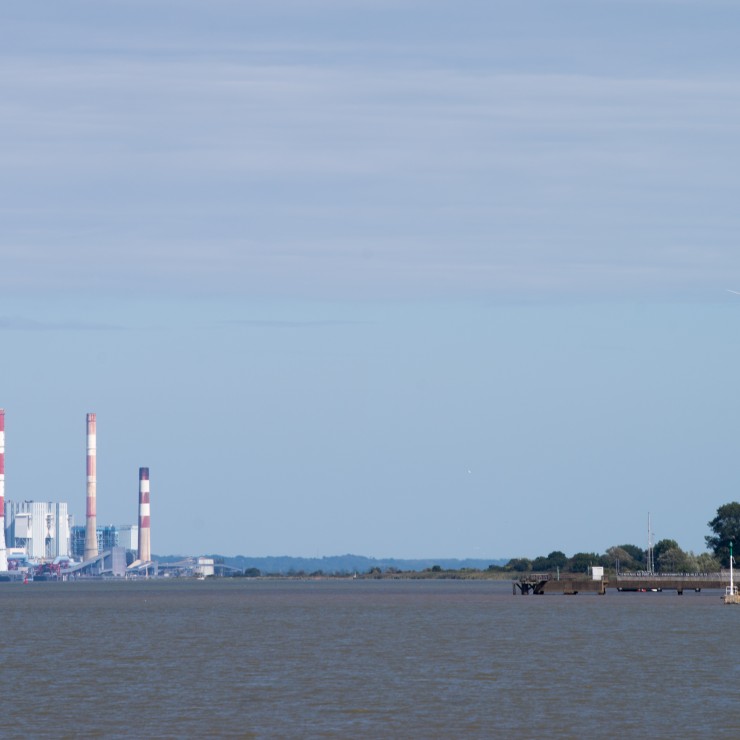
x: 91, y: 525
x: 145, y: 546
x: 3, y: 553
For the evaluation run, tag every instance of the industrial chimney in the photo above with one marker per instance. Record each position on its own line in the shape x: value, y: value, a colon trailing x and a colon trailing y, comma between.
x: 91, y: 526
x: 3, y: 553
x: 145, y: 547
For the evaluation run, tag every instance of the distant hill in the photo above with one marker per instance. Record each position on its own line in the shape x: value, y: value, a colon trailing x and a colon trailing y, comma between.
x: 340, y: 564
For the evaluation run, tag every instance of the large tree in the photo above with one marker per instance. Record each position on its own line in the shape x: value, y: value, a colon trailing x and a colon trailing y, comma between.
x: 520, y: 565
x: 619, y: 554
x: 553, y: 561
x: 707, y: 563
x: 581, y: 561
x: 635, y: 552
x: 557, y: 559
x: 675, y: 560
x: 661, y: 547
x: 726, y: 528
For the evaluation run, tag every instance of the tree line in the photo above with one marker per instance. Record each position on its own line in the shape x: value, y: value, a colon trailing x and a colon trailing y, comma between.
x: 668, y: 556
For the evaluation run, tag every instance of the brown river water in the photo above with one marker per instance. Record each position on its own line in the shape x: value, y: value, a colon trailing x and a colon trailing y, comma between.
x: 364, y: 659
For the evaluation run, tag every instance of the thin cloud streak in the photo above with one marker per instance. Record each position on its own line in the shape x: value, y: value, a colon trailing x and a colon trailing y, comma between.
x: 287, y: 323
x: 23, y: 324
x: 531, y: 205
x: 285, y: 171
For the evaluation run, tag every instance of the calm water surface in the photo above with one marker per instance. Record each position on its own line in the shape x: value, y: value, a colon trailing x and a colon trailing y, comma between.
x: 377, y: 659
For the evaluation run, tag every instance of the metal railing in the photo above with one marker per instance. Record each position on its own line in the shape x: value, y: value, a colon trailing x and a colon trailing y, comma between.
x: 715, y: 576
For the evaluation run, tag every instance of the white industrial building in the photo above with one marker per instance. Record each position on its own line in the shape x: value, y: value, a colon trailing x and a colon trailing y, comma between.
x: 204, y: 567
x: 128, y: 536
x: 40, y: 528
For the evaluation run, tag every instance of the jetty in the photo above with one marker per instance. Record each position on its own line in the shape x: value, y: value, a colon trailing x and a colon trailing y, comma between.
x: 572, y: 584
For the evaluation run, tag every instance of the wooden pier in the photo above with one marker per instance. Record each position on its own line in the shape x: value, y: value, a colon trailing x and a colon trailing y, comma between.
x: 547, y: 583
x: 571, y: 584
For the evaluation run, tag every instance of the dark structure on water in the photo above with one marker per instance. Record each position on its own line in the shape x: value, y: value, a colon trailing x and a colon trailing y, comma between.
x: 548, y: 583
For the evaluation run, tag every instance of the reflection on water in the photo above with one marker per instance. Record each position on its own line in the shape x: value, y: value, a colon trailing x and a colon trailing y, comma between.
x: 363, y: 659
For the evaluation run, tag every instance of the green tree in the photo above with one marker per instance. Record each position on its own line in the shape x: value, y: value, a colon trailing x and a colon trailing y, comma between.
x: 675, y: 560
x: 691, y: 564
x: 581, y: 561
x: 520, y: 565
x: 707, y: 563
x: 557, y: 559
x: 726, y: 528
x: 626, y: 561
x: 636, y: 553
x: 661, y: 547
x: 553, y: 561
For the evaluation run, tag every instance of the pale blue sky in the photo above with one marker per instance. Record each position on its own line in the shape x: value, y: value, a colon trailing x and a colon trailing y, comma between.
x: 312, y: 262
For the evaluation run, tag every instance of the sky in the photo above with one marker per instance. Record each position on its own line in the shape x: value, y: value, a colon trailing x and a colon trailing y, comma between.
x: 399, y: 279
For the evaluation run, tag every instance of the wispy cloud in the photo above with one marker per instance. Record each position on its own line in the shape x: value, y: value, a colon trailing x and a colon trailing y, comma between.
x: 23, y: 324
x: 287, y: 323
x: 297, y: 165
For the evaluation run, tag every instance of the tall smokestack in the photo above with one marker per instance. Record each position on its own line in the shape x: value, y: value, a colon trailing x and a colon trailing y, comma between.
x: 91, y: 536
x: 145, y: 546
x: 3, y: 553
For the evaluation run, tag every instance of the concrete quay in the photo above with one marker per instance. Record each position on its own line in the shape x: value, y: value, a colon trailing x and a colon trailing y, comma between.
x: 570, y: 584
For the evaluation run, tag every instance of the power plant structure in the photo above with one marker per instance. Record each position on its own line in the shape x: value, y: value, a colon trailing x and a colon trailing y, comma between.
x: 44, y: 543
x: 3, y: 552
x: 40, y: 529
x: 108, y: 536
x: 91, y: 542
x: 145, y: 545
x: 39, y: 541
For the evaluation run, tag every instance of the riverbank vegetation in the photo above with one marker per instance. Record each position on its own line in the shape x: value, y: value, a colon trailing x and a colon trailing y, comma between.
x: 667, y: 557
